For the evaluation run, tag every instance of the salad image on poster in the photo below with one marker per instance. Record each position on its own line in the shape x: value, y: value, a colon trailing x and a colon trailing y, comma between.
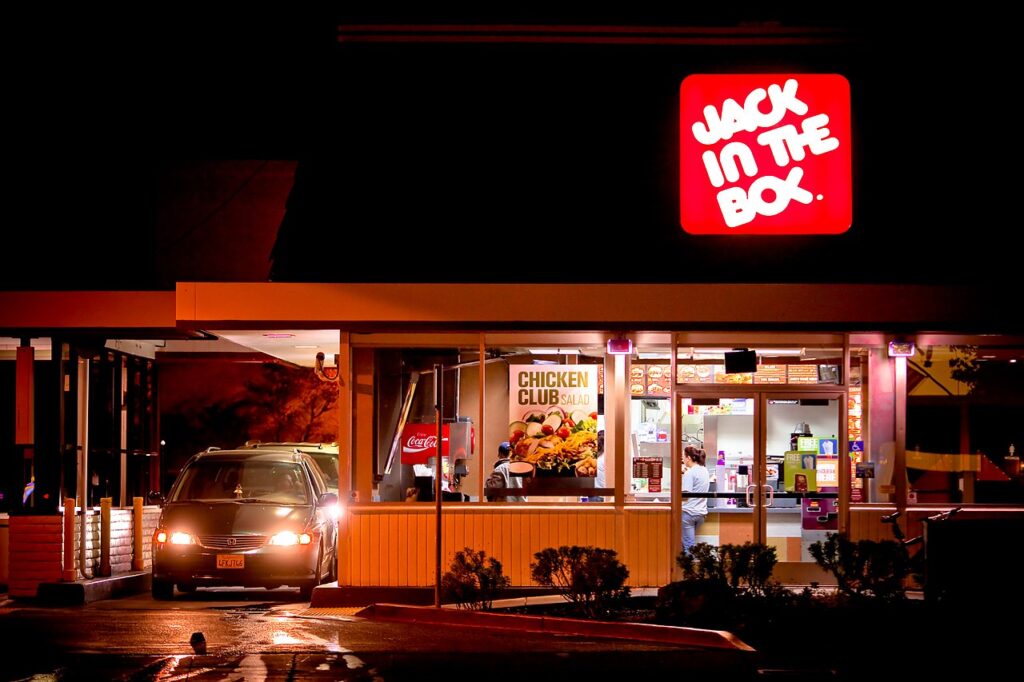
x: 553, y: 418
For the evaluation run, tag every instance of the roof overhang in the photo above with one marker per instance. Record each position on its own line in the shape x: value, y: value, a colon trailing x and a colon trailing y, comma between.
x: 425, y: 306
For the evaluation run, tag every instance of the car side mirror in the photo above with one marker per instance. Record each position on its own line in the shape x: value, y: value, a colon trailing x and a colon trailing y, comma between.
x: 327, y: 499
x: 156, y: 497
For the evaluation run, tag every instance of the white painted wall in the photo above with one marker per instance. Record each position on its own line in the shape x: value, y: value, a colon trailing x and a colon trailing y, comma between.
x: 823, y: 420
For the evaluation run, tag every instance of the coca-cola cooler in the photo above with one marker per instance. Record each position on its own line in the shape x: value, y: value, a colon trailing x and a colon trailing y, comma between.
x: 418, y: 448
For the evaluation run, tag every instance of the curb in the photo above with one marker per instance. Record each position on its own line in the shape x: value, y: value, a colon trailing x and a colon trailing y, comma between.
x: 93, y: 589
x: 669, y: 634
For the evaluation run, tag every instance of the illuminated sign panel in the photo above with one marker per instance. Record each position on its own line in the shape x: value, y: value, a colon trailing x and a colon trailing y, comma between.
x: 765, y: 154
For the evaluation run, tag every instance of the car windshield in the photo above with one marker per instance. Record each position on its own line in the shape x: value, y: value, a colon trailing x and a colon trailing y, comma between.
x: 328, y: 464
x: 224, y: 479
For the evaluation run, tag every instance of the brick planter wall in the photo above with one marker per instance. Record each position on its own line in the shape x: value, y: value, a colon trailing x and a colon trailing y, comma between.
x: 36, y: 547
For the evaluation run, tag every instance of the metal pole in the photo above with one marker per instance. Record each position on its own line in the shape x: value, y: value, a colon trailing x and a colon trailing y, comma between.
x: 83, y: 469
x: 138, y: 542
x: 899, y: 472
x: 439, y: 416
x: 69, y: 574
x: 105, y: 503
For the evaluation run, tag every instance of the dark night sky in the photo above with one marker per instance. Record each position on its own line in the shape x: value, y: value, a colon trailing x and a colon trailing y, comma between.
x: 535, y: 147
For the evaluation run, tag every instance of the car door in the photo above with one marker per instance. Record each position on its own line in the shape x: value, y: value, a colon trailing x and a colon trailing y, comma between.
x: 325, y: 519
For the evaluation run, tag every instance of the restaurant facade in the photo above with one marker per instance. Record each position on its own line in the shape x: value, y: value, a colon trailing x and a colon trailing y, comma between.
x: 600, y: 244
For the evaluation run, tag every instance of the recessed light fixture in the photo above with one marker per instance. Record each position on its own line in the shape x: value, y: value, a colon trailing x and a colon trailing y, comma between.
x: 278, y: 335
x: 306, y: 347
x: 620, y: 346
x: 901, y: 349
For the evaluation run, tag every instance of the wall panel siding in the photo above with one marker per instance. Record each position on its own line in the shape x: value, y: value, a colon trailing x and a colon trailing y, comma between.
x: 394, y: 545
x: 866, y: 524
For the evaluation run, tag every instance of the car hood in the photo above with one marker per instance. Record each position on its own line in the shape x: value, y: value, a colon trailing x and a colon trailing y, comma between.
x: 234, y: 518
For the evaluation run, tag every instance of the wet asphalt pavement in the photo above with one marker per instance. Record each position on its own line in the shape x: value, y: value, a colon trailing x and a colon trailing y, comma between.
x: 256, y: 635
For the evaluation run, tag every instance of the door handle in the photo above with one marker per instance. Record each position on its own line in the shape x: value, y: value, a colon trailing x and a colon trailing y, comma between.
x: 749, y: 494
x: 771, y: 495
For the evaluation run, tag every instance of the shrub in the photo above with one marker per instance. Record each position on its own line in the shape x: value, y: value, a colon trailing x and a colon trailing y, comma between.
x: 591, y: 579
x: 697, y: 602
x: 864, y: 568
x: 747, y: 567
x: 473, y: 581
x: 718, y: 581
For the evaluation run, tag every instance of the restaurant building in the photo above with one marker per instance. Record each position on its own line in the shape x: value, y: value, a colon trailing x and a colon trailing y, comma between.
x: 721, y: 236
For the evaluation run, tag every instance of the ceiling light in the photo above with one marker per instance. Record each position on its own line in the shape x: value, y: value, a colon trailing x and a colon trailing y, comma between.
x: 278, y: 335
x: 620, y: 346
x: 780, y: 352
x: 307, y: 347
x: 901, y: 349
x: 554, y: 351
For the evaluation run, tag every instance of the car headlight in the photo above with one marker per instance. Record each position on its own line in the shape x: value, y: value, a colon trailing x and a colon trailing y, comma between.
x: 175, y: 538
x: 180, y: 538
x: 287, y: 538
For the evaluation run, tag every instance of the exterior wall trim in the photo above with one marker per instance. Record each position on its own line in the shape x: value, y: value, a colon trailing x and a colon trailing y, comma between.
x: 649, y: 306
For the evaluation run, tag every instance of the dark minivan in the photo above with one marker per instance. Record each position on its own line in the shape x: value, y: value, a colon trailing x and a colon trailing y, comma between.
x: 247, y: 518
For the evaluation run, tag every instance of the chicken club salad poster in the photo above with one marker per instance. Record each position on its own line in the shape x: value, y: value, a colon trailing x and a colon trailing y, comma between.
x: 553, y: 417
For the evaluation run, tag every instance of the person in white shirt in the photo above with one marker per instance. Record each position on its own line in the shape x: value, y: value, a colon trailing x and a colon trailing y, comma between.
x: 695, y: 480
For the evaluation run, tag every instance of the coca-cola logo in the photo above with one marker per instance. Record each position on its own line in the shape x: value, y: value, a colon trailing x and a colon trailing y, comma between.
x: 419, y: 443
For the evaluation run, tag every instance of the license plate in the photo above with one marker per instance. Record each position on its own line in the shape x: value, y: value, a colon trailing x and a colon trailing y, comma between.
x: 230, y: 561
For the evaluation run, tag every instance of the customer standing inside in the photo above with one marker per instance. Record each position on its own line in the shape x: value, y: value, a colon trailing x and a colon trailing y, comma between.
x: 695, y: 480
x: 500, y: 477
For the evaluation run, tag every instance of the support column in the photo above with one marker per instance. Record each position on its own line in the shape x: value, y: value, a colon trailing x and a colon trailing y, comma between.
x: 24, y: 426
x: 69, y: 574
x: 105, y: 535
x: 138, y: 539
x: 83, y: 458
x: 899, y: 474
x: 345, y: 445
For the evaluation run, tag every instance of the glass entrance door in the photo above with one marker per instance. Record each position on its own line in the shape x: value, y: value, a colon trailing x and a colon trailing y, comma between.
x: 774, y: 463
x: 726, y: 425
x: 803, y: 447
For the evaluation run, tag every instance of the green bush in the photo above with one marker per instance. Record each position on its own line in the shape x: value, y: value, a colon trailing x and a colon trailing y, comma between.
x: 747, y: 567
x: 719, y: 583
x: 473, y: 581
x: 591, y: 579
x: 864, y: 568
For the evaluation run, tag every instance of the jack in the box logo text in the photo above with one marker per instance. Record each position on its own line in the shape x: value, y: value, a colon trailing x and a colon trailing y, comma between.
x: 765, y: 154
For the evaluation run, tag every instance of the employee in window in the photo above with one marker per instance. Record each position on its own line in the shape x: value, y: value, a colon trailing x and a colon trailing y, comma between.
x: 695, y: 480
x: 501, y: 478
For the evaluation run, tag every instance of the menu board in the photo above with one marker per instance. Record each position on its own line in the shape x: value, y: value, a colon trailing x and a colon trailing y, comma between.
x: 770, y: 374
x: 647, y: 467
x: 802, y: 374
x: 659, y: 380
x: 765, y: 374
x: 854, y: 413
x: 741, y: 378
x: 695, y: 374
x: 637, y: 379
